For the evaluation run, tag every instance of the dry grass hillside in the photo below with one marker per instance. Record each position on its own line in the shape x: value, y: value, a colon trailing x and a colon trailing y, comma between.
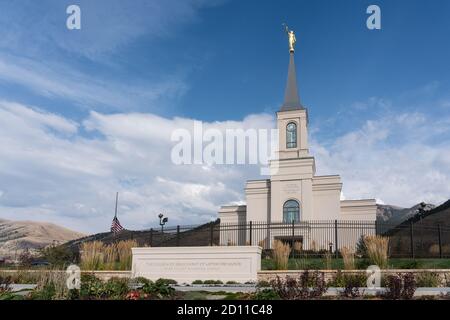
x: 17, y: 236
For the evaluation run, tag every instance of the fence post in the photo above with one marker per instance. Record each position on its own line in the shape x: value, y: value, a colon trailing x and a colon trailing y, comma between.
x: 151, y: 237
x: 336, y: 238
x: 178, y: 236
x: 440, y: 241
x: 211, y: 234
x: 411, y: 233
x: 251, y: 231
x: 293, y: 239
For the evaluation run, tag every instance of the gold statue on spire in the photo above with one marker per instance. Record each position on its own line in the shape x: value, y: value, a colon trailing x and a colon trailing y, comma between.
x: 291, y: 38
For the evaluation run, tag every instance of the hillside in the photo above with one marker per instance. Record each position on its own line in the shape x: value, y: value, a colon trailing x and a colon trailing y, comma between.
x: 17, y: 236
x: 437, y: 216
x: 395, y: 215
x: 189, y: 236
x: 425, y: 232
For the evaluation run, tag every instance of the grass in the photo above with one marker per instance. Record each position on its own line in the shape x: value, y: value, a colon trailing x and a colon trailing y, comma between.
x: 338, y: 264
x: 377, y: 250
x: 97, y: 256
x: 92, y: 255
x: 281, y: 253
x: 348, y: 256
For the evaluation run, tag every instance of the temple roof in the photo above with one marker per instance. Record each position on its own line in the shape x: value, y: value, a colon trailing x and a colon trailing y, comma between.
x: 291, y: 98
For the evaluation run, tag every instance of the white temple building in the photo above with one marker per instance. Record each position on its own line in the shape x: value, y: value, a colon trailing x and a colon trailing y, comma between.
x: 294, y: 193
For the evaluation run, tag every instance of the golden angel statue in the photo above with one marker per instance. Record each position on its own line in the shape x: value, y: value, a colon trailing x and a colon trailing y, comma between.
x: 291, y: 38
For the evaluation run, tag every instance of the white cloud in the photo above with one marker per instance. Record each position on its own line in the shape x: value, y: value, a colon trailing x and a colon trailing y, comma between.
x: 107, y: 25
x: 398, y: 159
x: 55, y: 80
x: 49, y: 171
x: 71, y: 179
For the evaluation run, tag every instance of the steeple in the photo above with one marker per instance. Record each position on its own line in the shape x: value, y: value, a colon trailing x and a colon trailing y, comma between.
x: 291, y: 99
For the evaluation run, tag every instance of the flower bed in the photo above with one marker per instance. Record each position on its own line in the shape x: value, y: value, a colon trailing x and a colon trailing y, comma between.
x: 289, y: 285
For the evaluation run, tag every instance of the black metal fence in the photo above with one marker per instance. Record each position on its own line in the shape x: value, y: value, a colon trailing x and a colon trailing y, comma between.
x: 310, y: 238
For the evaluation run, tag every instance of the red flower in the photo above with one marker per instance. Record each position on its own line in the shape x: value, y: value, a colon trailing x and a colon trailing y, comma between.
x: 133, y: 295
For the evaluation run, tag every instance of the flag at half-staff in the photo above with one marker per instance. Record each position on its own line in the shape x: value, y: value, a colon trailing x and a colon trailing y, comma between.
x: 116, y: 227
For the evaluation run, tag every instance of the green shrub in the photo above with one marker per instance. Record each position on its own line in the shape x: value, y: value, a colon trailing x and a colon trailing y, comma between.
x: 428, y: 279
x: 351, y: 284
x: 197, y: 282
x: 94, y: 288
x: 115, y: 288
x: 266, y: 294
x: 232, y: 282
x: 47, y: 292
x: 212, y: 282
x: 263, y: 284
x: 140, y: 280
x: 362, y: 264
x: 167, y: 281
x: 342, y: 280
x: 73, y: 294
x: 5, y: 296
x: 159, y: 289
x: 91, y: 287
x: 58, y: 256
x: 361, y: 249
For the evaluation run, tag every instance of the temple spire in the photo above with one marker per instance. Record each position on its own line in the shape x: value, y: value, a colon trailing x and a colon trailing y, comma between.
x: 291, y: 98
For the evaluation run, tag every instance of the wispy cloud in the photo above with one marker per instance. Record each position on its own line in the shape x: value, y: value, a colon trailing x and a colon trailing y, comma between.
x: 70, y: 179
x: 107, y: 25
x: 400, y: 159
x: 88, y: 68
x: 55, y: 80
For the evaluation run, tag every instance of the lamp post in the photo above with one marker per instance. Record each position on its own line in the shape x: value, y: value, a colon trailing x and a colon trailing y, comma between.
x: 162, y: 221
x: 421, y: 213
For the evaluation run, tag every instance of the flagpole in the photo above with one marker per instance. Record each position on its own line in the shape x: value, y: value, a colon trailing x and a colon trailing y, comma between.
x: 117, y: 199
x: 115, y: 226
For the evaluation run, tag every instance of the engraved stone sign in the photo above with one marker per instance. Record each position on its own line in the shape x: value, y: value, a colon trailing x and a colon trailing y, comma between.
x: 186, y: 264
x: 291, y: 188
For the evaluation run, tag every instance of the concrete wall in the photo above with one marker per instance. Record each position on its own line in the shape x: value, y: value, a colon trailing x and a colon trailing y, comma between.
x: 233, y: 214
x: 292, y: 180
x: 187, y: 264
x: 326, y: 197
x: 257, y: 193
x: 364, y: 210
x: 231, y: 217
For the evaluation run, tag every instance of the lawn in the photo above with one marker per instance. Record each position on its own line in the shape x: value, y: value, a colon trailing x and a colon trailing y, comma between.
x: 338, y: 264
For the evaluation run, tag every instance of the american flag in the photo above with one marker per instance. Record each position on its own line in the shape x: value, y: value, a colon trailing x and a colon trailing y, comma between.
x: 116, y: 227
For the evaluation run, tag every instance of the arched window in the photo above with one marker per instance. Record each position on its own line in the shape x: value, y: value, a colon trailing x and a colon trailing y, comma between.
x: 291, y: 211
x: 291, y: 135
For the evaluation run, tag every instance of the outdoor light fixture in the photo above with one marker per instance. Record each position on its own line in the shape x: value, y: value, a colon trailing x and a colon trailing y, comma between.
x: 162, y: 221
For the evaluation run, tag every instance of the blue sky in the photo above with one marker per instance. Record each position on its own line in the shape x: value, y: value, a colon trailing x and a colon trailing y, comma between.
x: 71, y: 99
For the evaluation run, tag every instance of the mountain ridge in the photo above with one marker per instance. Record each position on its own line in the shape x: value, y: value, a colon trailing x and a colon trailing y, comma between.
x: 19, y: 236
